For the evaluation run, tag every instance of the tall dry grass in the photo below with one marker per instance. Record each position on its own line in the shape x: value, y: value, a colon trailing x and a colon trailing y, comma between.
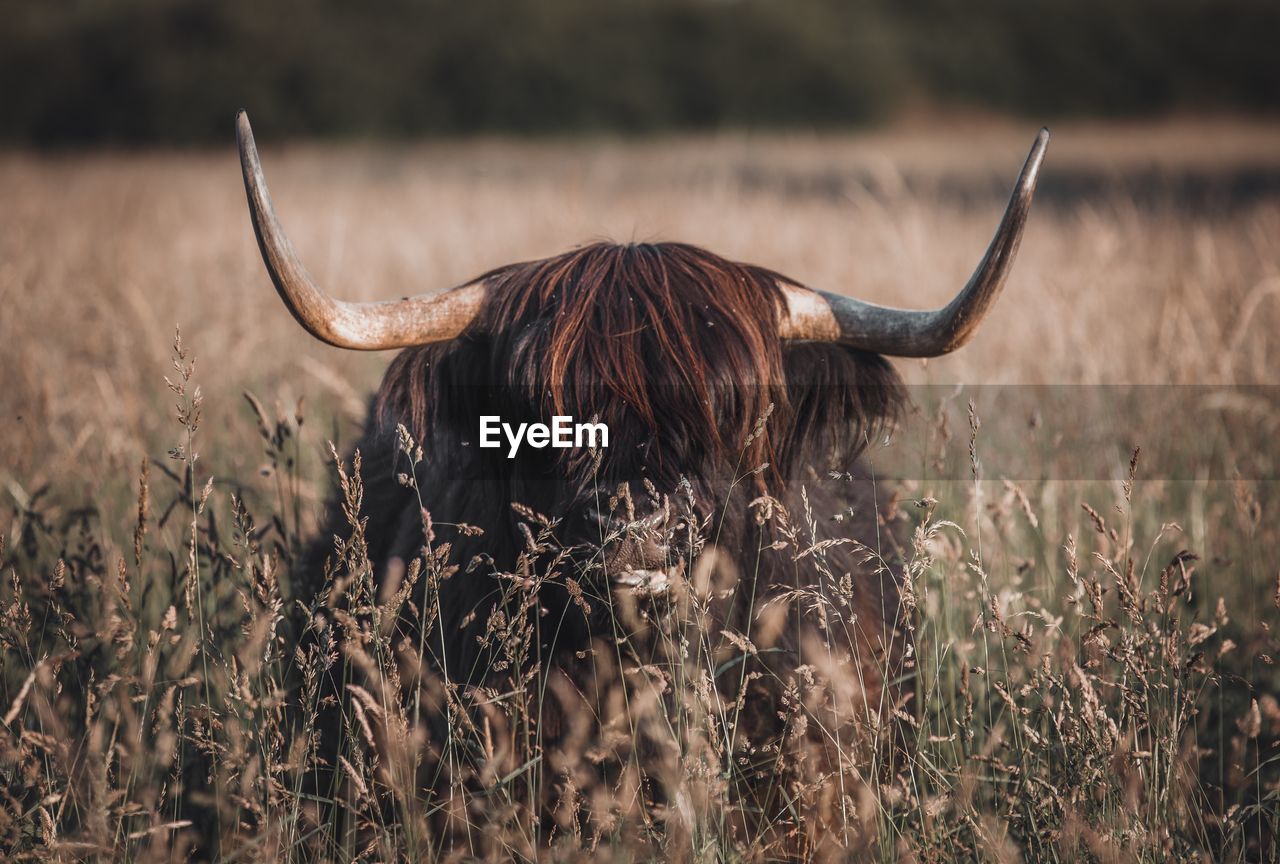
x: 1094, y: 649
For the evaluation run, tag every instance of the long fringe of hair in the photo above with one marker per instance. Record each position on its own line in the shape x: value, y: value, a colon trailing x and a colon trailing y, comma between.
x: 676, y: 349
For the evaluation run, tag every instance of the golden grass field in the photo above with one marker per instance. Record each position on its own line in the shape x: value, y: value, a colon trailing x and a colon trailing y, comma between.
x: 1076, y: 703
x: 103, y: 255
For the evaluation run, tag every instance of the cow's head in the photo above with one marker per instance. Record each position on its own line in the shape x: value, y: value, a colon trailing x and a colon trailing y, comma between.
x: 679, y: 352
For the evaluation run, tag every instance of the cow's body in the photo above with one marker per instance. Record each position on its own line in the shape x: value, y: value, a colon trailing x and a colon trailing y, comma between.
x: 710, y: 415
x: 395, y: 534
x: 697, y: 397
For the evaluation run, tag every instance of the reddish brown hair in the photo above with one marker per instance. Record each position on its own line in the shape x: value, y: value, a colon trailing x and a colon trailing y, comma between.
x: 660, y: 341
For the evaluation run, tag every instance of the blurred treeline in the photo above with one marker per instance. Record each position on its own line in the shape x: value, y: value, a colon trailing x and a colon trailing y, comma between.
x: 174, y: 71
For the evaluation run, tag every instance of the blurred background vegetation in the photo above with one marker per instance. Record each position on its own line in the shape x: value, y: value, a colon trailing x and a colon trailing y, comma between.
x: 91, y: 72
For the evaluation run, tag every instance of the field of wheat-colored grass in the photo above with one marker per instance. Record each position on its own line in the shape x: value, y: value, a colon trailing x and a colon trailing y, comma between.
x: 1095, y: 643
x: 103, y: 255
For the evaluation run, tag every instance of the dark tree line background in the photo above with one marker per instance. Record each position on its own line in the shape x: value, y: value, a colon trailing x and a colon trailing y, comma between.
x: 79, y: 72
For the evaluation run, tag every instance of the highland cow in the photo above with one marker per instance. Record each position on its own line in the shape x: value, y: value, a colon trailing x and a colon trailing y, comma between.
x: 731, y: 394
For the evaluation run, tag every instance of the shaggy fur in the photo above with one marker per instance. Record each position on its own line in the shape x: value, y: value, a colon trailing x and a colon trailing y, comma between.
x: 678, y: 351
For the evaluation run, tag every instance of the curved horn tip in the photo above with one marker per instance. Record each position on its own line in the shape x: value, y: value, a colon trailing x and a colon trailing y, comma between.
x: 1039, y: 146
x: 244, y: 132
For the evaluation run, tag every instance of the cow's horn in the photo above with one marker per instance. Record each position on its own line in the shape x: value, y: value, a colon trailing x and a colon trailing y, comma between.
x: 363, y: 326
x: 821, y: 316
